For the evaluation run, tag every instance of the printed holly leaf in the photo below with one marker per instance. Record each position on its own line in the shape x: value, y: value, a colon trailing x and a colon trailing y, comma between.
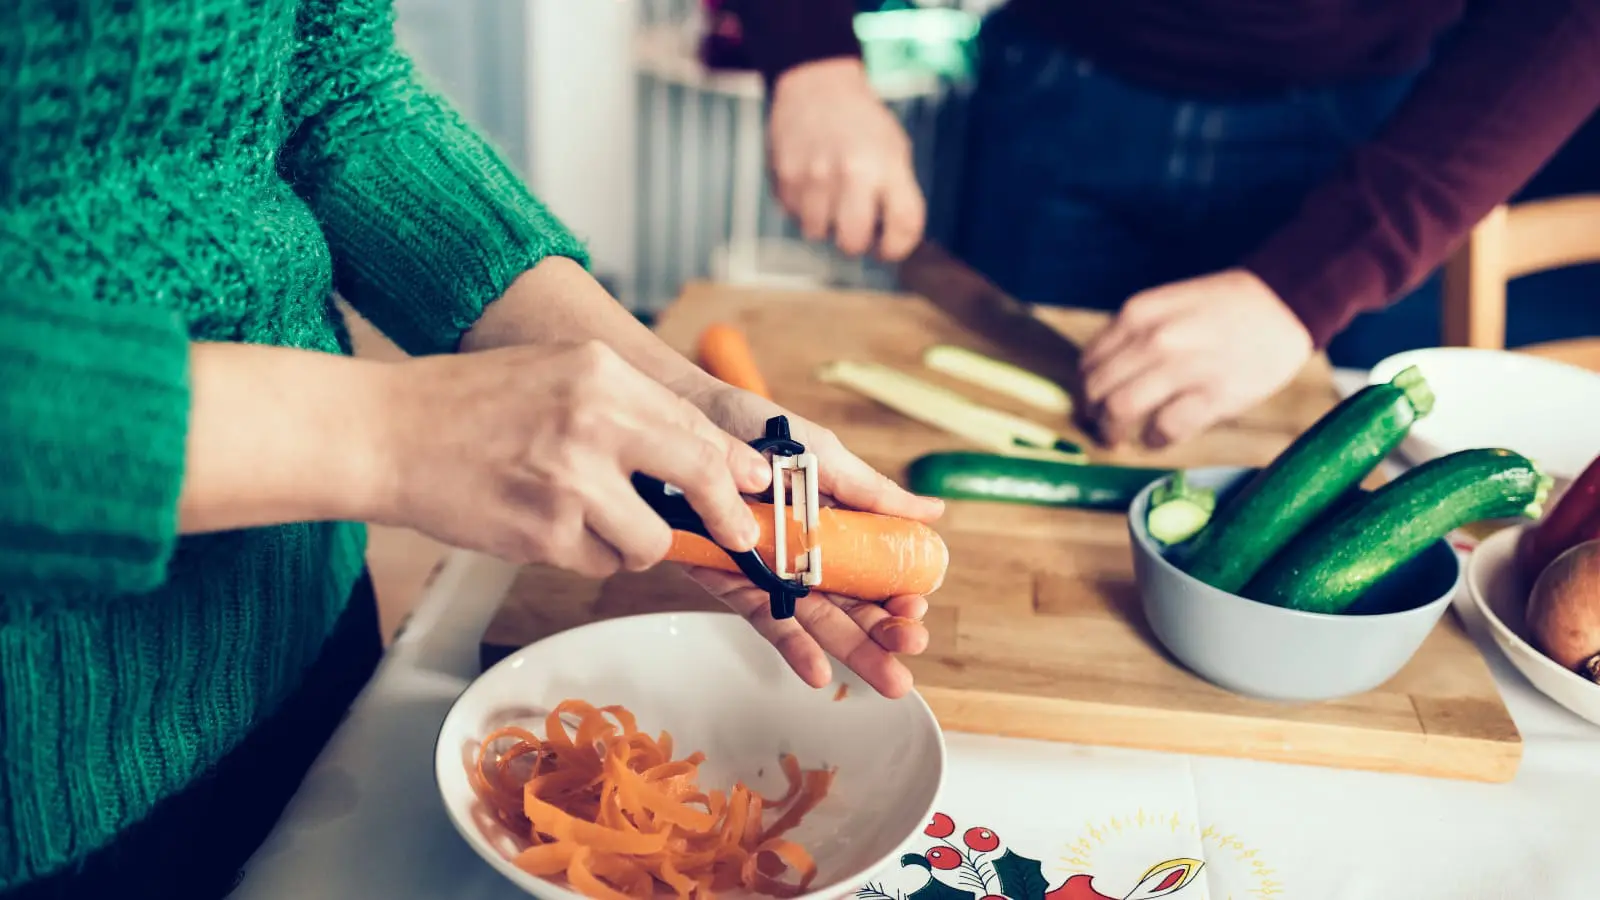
x: 1020, y: 877
x: 938, y: 890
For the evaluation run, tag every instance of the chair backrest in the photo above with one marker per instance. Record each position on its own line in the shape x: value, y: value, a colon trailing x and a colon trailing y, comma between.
x: 1513, y: 240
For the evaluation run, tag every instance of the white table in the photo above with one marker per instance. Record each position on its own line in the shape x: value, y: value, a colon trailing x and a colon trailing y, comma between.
x: 367, y: 823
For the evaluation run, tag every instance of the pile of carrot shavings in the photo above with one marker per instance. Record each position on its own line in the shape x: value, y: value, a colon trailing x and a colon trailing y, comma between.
x: 606, y: 806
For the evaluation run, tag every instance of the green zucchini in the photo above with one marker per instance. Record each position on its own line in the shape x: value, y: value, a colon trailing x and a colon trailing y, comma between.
x: 961, y: 475
x: 1178, y: 510
x: 1329, y: 566
x: 1322, y: 464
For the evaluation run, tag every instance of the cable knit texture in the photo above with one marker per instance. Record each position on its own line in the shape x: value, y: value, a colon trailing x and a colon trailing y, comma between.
x: 170, y: 171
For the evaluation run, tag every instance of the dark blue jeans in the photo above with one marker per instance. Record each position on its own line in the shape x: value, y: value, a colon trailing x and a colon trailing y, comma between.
x: 1080, y: 189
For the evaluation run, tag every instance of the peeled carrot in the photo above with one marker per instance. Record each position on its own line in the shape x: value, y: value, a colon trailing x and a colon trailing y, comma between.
x: 726, y: 354
x: 864, y: 555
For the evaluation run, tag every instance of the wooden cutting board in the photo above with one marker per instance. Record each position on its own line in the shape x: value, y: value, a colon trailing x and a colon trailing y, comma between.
x: 1037, y: 631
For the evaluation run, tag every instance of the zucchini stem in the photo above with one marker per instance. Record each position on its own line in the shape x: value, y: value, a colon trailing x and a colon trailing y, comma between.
x: 1418, y: 393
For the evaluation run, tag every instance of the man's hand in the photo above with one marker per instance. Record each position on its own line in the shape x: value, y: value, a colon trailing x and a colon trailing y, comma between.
x: 1181, y: 357
x: 842, y: 161
x: 864, y: 636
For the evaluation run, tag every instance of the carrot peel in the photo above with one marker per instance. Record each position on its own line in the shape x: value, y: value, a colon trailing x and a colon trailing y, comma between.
x: 606, y: 807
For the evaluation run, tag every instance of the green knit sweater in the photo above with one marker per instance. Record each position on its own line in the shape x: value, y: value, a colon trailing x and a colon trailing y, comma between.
x: 175, y: 171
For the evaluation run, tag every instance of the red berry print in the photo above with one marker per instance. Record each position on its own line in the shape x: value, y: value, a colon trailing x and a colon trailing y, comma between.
x: 942, y: 826
x: 944, y: 858
x: 993, y: 897
x: 981, y: 839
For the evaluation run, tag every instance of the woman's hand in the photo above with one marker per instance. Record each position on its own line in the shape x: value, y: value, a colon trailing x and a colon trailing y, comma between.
x: 526, y: 453
x: 864, y: 636
x: 557, y: 300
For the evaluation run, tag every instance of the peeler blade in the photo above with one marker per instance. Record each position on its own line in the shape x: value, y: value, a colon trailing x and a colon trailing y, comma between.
x: 795, y: 500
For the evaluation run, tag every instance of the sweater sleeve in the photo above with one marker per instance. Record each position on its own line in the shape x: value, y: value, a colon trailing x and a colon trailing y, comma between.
x: 782, y: 34
x: 1517, y: 80
x: 426, y: 221
x: 94, y: 409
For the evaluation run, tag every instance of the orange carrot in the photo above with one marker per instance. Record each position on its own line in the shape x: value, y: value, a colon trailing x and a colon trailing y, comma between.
x: 608, y: 809
x: 725, y: 353
x: 864, y: 555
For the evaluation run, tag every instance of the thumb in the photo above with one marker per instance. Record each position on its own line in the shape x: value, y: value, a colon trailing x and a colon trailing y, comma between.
x: 853, y: 483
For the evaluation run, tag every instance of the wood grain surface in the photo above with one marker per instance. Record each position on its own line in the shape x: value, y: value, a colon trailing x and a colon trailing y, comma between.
x: 1037, y: 631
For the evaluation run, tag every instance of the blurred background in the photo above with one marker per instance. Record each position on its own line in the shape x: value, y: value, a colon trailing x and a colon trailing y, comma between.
x: 640, y: 128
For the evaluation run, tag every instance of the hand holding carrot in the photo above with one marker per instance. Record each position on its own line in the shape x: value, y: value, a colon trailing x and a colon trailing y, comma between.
x: 527, y: 452
x: 866, y: 636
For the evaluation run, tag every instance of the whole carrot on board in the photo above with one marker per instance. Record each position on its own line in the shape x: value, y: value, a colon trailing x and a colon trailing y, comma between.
x: 864, y: 555
x: 1575, y: 518
x: 725, y: 353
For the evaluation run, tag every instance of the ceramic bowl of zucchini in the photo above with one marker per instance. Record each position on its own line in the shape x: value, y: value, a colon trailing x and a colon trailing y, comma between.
x: 1538, y: 589
x: 1295, y: 583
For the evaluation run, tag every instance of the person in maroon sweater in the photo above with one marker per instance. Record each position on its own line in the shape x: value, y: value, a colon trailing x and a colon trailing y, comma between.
x: 1239, y: 178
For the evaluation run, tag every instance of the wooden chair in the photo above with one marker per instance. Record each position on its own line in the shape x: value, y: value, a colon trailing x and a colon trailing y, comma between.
x: 1510, y: 242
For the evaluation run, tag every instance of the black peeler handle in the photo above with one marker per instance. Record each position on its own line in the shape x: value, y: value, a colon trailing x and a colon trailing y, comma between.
x: 680, y: 516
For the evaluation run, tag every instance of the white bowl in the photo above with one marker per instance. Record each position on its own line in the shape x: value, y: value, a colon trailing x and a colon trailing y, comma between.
x: 1501, y: 398
x: 717, y: 686
x: 1495, y: 589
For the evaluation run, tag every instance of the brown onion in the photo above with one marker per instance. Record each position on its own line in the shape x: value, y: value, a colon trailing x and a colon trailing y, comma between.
x: 1564, y: 610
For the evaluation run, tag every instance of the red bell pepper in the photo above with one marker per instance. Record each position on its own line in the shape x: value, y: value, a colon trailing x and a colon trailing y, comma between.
x: 1575, y: 518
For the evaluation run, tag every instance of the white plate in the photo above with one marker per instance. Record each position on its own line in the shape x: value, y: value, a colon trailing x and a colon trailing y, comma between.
x: 718, y: 687
x: 1492, y: 582
x: 1498, y: 398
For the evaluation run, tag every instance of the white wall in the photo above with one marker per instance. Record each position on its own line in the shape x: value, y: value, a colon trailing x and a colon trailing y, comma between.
x: 581, y: 109
x: 551, y: 83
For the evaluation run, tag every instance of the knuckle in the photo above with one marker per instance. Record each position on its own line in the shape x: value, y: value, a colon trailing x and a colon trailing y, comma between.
x: 791, y: 177
x: 706, y: 462
x: 821, y: 169
x: 1140, y: 306
x: 580, y: 420
x: 561, y: 543
x: 1165, y: 339
x: 710, y: 460
x: 1120, y: 406
x: 598, y: 566
x: 859, y: 167
x: 538, y: 545
x: 652, y: 547
x: 593, y: 358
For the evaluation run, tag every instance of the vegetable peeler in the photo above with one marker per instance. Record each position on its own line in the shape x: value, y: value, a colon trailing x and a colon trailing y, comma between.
x: 794, y: 484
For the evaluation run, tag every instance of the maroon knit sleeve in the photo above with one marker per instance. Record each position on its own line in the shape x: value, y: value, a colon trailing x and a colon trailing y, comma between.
x: 1518, y: 79
x: 782, y: 34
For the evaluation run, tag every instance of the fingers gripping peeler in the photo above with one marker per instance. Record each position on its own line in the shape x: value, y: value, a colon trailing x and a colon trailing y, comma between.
x: 794, y: 487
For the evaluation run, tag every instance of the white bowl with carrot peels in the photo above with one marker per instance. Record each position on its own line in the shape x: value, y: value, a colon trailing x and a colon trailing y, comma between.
x: 676, y: 754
